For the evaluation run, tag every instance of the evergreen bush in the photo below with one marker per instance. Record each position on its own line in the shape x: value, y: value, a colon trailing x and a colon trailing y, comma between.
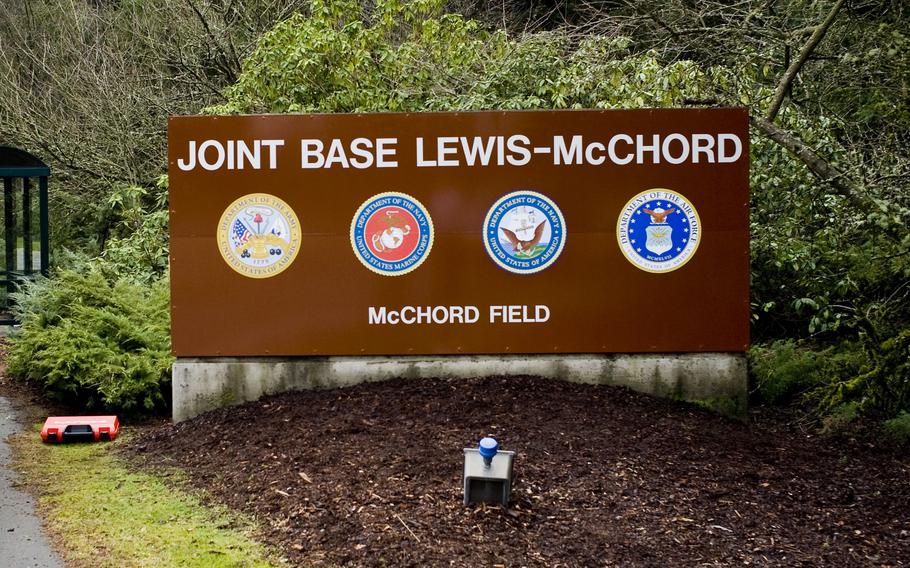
x: 97, y: 334
x: 897, y: 430
x: 95, y: 343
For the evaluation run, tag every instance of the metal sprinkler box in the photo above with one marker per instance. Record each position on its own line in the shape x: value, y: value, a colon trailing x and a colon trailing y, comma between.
x: 487, y: 474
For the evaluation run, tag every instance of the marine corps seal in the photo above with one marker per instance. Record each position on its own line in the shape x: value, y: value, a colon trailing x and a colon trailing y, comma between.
x: 392, y: 233
x: 658, y: 230
x: 259, y: 235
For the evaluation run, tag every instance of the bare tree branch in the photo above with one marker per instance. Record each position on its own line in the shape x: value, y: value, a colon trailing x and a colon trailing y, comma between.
x: 822, y: 169
x: 784, y: 85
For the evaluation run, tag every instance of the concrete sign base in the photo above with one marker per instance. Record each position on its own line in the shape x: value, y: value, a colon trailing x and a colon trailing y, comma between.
x: 203, y: 384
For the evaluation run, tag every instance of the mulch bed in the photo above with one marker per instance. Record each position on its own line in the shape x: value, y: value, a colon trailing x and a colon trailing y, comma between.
x: 371, y: 475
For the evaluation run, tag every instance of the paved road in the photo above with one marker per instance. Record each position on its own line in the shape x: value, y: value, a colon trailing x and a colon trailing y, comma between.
x: 22, y: 543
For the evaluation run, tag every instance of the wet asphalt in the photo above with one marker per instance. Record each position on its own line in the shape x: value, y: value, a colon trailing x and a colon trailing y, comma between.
x: 23, y: 543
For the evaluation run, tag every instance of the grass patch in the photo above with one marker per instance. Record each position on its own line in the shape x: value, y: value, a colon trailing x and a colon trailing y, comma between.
x: 103, y: 514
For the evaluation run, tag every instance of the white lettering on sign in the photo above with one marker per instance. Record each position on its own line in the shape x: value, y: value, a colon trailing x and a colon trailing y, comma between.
x: 453, y: 151
x: 519, y: 314
x: 516, y: 150
x: 315, y: 153
x: 411, y: 315
x: 442, y: 315
x: 622, y: 149
x: 231, y: 154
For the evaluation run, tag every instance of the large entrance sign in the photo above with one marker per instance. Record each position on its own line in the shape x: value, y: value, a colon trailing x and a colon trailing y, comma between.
x: 460, y: 233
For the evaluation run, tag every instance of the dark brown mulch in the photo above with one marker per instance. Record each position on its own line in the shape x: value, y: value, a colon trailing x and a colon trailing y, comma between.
x: 371, y: 475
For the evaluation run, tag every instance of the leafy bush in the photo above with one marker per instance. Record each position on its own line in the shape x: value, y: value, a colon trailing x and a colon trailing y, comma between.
x: 139, y: 250
x: 410, y: 56
x: 97, y: 334
x: 839, y: 382
x: 782, y: 370
x: 882, y: 387
x: 897, y: 430
x: 841, y: 419
x: 93, y: 343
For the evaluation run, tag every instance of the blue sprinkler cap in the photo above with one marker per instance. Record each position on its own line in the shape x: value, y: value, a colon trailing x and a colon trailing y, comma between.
x: 488, y: 447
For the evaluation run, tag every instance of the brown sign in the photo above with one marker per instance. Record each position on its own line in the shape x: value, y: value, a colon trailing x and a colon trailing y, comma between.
x: 453, y: 233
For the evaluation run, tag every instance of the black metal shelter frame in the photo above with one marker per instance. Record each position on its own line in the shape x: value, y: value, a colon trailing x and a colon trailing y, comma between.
x: 18, y: 170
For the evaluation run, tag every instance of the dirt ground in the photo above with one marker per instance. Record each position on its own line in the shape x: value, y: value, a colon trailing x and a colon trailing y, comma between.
x: 371, y: 476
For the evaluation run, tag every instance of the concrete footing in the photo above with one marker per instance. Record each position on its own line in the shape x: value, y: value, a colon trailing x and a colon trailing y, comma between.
x: 716, y: 379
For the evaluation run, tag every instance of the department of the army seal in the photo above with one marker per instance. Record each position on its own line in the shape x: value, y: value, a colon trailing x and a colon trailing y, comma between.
x: 524, y: 232
x: 259, y: 235
x: 658, y: 230
x: 392, y: 233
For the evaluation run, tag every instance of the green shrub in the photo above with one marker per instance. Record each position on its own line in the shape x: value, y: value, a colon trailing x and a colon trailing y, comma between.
x: 138, y: 250
x: 841, y: 419
x: 97, y: 334
x: 897, y: 430
x: 881, y: 386
x: 394, y: 55
x: 782, y: 370
x: 862, y: 377
x: 97, y: 344
x: 786, y: 370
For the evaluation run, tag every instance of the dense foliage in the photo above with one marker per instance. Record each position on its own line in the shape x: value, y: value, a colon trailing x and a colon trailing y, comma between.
x: 412, y: 57
x: 94, y: 343
x: 825, y: 82
x: 97, y: 334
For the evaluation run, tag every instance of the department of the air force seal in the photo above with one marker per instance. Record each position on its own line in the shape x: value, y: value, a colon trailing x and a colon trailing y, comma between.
x: 392, y: 233
x: 658, y: 230
x: 524, y: 232
x: 259, y: 235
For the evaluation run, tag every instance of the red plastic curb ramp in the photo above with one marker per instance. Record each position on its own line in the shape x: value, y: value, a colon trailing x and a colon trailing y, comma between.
x: 59, y: 429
